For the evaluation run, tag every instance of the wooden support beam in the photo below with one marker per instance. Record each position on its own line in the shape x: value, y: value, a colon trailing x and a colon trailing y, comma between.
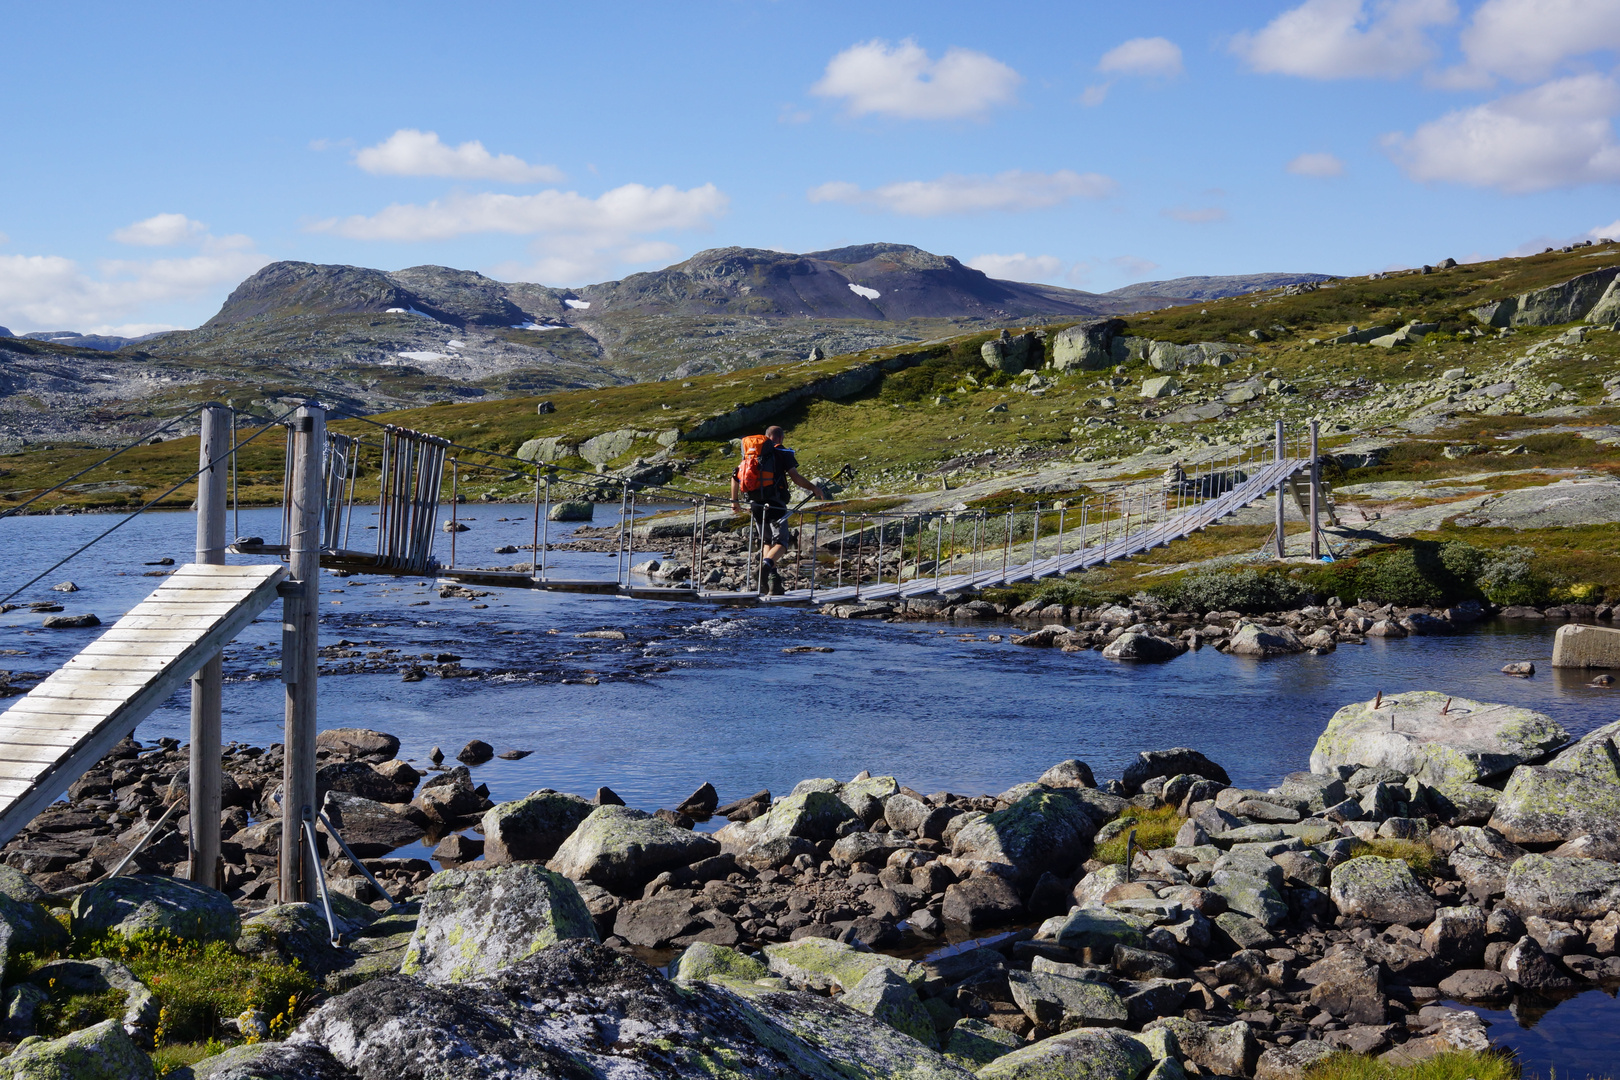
x: 299, y: 652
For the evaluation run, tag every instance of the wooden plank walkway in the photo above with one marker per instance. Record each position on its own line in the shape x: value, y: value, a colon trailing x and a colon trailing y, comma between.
x: 50, y: 737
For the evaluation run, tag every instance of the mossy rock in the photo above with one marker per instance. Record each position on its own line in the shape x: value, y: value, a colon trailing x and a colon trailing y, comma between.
x: 974, y: 1044
x: 99, y: 1052
x: 149, y: 904
x: 33, y: 928
x: 1382, y: 890
x: 1088, y: 1054
x: 1545, y: 805
x: 821, y: 963
x: 703, y: 961
x: 475, y: 922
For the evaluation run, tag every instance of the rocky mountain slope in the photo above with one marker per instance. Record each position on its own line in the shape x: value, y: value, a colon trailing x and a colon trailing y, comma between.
x: 373, y: 340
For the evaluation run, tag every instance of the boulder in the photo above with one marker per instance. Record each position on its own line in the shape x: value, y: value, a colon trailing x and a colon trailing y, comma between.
x: 360, y: 778
x: 1558, y: 887
x: 475, y: 922
x: 1060, y: 1003
x: 449, y: 796
x: 571, y: 509
x: 1072, y: 773
x: 1381, y: 890
x: 99, y: 1052
x: 295, y: 933
x: 821, y: 963
x: 370, y: 829
x: 580, y: 1009
x: 1224, y: 1050
x: 1468, y: 742
x: 813, y: 815
x: 1456, y: 937
x: 1526, y: 965
x: 99, y: 975
x: 135, y: 904
x: 1045, y: 830
x: 375, y: 746
x: 532, y: 828
x: 703, y: 961
x: 1151, y: 764
x: 1345, y: 984
x: 981, y: 902
x: 1086, y: 346
x: 1476, y: 984
x: 1293, y: 1062
x: 891, y: 1000
x: 622, y: 849
x: 1252, y: 639
x: 657, y: 922
x: 1091, y: 928
x: 1252, y: 895
x: 1546, y: 805
x: 29, y: 925
x: 974, y: 1044
x: 266, y: 1061
x: 1134, y: 646
x: 1568, y: 301
x: 1106, y: 1054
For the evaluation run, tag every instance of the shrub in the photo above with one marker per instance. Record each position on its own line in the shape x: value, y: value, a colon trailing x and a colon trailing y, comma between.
x: 1509, y: 576
x: 1154, y: 829
x: 1241, y: 590
x: 1416, y: 573
x: 65, y: 1013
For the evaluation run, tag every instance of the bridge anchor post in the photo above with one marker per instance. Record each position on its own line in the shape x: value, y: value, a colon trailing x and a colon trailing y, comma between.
x: 1282, y: 483
x: 213, y: 444
x: 300, y: 657
x: 1316, y: 495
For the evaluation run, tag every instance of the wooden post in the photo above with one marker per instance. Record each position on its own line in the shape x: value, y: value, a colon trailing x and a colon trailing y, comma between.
x: 1316, y: 490
x: 299, y: 651
x: 1282, y: 485
x: 206, y: 699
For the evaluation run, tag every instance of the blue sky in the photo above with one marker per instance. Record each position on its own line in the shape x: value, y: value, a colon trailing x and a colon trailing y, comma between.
x: 160, y: 153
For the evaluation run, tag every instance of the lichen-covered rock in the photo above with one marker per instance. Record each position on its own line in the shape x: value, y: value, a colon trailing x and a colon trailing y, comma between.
x: 621, y: 849
x: 580, y: 1010
x: 1347, y: 986
x: 1251, y: 895
x: 1150, y: 764
x: 1090, y: 928
x: 1087, y: 1054
x: 1060, y: 1003
x: 1221, y: 1049
x: 32, y: 927
x: 1544, y: 805
x: 99, y: 1052
x: 99, y: 975
x: 532, y: 827
x: 1556, y: 887
x: 1252, y: 639
x: 812, y: 815
x: 378, y: 746
x: 1468, y: 742
x: 1292, y: 1062
x: 821, y: 963
x: 266, y: 1061
x: 140, y: 903
x: 1043, y: 831
x: 294, y: 933
x: 889, y: 999
x: 974, y: 1044
x: 475, y: 922
x: 1382, y: 890
x: 705, y: 961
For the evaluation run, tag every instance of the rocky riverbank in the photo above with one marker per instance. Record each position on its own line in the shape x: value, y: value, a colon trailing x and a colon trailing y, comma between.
x: 1438, y: 852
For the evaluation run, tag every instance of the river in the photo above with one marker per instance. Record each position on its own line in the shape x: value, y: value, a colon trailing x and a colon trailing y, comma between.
x: 699, y: 693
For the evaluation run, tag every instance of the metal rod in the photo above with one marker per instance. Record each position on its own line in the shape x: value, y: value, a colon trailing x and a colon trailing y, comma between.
x: 207, y: 683
x: 326, y: 823
x: 320, y: 878
x: 147, y: 837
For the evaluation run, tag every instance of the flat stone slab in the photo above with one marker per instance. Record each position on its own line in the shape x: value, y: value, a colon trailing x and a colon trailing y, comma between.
x: 1438, y: 738
x: 1577, y: 645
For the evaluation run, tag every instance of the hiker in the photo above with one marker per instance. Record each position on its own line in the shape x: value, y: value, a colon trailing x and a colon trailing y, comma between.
x: 763, y: 475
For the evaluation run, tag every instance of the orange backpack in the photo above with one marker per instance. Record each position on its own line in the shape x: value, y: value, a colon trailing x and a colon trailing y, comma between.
x: 758, y: 469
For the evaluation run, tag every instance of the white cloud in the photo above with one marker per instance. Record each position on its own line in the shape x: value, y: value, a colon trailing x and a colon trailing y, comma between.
x: 622, y: 212
x: 902, y: 80
x: 1526, y: 40
x: 954, y: 194
x: 1134, y: 265
x: 1340, y: 39
x: 1154, y: 56
x: 1612, y: 229
x: 1195, y: 215
x: 49, y: 292
x: 1319, y: 165
x: 162, y: 230
x: 1020, y: 267
x: 1095, y: 95
x: 1556, y: 135
x: 408, y: 152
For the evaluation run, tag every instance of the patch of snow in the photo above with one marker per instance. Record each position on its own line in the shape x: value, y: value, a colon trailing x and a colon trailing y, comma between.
x: 862, y: 290
x: 538, y: 326
x: 407, y: 311
x: 455, y: 344
x: 580, y: 305
x: 422, y: 355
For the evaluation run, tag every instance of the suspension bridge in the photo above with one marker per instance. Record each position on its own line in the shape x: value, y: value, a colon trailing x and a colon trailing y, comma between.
x: 72, y: 718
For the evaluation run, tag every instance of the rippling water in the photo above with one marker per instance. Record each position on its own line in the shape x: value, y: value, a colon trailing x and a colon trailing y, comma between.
x: 729, y: 707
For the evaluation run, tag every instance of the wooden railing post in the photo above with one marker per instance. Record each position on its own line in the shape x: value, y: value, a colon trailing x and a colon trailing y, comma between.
x: 299, y: 651
x: 1316, y: 495
x: 213, y: 444
x: 1282, y: 485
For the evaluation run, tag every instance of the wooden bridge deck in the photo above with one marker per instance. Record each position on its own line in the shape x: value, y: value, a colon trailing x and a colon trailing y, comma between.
x: 71, y: 719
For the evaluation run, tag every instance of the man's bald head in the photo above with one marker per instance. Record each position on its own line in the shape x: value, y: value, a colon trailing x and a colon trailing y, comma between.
x: 775, y: 433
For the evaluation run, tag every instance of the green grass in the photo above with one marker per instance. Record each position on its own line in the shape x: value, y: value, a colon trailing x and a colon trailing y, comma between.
x: 65, y: 1013
x: 1154, y: 829
x: 1458, y: 1065
x: 1419, y: 856
x: 166, y: 1059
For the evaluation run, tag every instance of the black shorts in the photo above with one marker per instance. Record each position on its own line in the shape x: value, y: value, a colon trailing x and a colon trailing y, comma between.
x: 771, y: 521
